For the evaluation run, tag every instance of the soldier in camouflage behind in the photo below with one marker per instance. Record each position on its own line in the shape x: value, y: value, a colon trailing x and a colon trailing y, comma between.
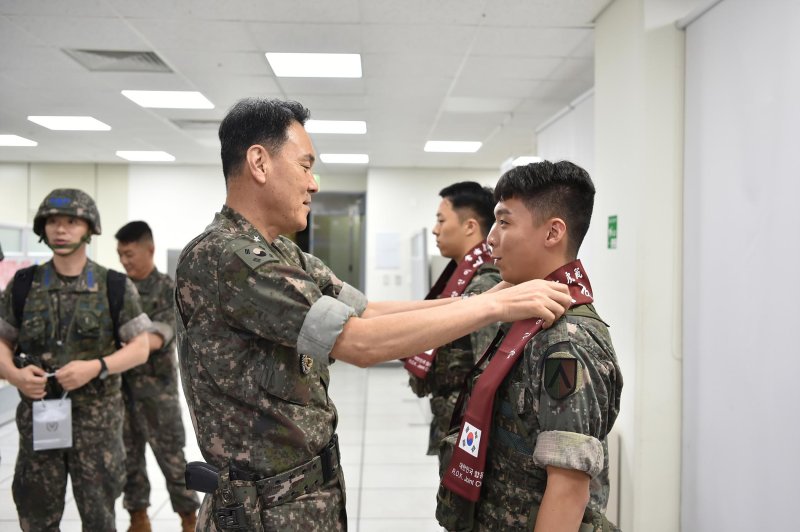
x: 463, y: 219
x: 259, y: 322
x: 66, y: 341
x: 152, y: 409
x: 530, y: 448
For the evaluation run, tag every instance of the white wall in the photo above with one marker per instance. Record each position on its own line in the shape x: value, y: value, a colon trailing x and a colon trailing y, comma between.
x: 401, y: 202
x: 570, y: 137
x: 741, y: 461
x: 179, y: 201
x: 638, y: 102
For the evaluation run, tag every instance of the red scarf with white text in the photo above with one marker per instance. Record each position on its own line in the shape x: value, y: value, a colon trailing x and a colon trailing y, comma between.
x: 464, y: 474
x: 458, y: 278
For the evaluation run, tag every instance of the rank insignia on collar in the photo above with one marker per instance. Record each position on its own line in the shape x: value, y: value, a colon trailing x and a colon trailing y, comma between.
x: 306, y: 363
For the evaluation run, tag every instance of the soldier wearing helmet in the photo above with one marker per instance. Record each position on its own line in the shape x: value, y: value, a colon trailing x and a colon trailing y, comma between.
x: 67, y: 329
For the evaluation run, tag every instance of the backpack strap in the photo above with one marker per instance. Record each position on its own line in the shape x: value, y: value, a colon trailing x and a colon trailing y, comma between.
x: 23, y: 279
x: 115, y: 286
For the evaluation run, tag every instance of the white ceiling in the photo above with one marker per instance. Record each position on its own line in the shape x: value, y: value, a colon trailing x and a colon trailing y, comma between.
x: 486, y: 70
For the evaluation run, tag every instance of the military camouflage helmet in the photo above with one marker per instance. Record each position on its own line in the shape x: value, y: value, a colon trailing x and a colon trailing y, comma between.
x: 69, y: 201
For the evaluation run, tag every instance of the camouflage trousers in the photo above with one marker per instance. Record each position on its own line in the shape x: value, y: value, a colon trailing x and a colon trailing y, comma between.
x: 318, y: 511
x: 95, y: 464
x: 442, y: 407
x: 156, y: 420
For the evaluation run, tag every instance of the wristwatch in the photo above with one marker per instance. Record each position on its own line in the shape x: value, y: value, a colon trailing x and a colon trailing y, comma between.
x: 103, y: 370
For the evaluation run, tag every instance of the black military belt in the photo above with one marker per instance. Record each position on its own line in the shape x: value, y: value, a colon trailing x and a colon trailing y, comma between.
x: 271, y: 491
x: 304, y: 478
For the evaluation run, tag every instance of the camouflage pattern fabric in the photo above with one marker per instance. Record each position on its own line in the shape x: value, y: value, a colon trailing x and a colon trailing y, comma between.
x: 255, y: 401
x: 68, y: 319
x: 453, y: 363
x: 152, y: 407
x: 552, y: 417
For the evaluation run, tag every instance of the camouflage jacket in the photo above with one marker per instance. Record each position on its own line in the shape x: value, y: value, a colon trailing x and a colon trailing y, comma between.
x: 157, y: 292
x: 66, y: 320
x: 555, y: 408
x: 455, y: 360
x: 256, y: 324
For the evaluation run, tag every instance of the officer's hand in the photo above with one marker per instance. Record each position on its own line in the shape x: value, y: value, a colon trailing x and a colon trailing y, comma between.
x: 538, y: 298
x: 30, y: 380
x: 77, y: 373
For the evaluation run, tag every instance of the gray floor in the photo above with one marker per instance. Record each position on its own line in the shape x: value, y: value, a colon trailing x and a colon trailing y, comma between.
x: 383, y: 427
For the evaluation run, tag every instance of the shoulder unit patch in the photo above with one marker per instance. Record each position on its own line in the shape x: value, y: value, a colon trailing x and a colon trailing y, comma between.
x: 560, y: 376
x: 254, y: 255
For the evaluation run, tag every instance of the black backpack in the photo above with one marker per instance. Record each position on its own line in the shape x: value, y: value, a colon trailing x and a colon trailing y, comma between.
x: 116, y: 295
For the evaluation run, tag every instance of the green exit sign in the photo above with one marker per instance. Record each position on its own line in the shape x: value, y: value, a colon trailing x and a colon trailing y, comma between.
x: 612, y: 232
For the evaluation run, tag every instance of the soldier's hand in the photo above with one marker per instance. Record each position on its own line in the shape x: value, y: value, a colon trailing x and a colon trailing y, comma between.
x: 30, y: 380
x: 77, y: 373
x: 538, y: 298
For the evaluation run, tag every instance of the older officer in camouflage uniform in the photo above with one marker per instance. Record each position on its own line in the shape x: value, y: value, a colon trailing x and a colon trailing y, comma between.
x: 547, y: 461
x: 67, y: 335
x: 463, y: 219
x: 152, y: 410
x: 260, y: 320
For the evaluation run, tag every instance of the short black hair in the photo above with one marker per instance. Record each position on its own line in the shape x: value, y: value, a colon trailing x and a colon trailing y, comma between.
x: 469, y: 195
x: 548, y: 190
x: 256, y: 121
x: 137, y: 231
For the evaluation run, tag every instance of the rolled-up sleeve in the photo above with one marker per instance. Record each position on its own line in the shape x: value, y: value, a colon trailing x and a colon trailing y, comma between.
x: 133, y: 328
x: 164, y: 330
x: 353, y: 297
x: 322, y: 326
x: 133, y: 320
x: 569, y: 450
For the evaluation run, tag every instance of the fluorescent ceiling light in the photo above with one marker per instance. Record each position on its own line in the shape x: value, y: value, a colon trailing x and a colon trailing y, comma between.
x: 344, y: 158
x: 452, y: 146
x: 70, y: 123
x: 526, y: 159
x: 16, y: 140
x: 315, y: 65
x: 169, y: 99
x: 343, y: 127
x: 146, y: 156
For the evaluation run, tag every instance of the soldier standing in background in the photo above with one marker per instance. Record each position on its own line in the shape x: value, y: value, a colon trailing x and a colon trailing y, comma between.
x: 260, y: 321
x: 64, y: 326
x: 153, y: 412
x: 463, y: 220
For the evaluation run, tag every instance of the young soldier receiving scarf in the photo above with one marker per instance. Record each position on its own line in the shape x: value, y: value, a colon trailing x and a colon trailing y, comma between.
x: 530, y: 449
x: 463, y: 220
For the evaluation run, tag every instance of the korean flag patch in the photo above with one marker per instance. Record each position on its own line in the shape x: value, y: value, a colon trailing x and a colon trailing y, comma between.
x: 470, y: 439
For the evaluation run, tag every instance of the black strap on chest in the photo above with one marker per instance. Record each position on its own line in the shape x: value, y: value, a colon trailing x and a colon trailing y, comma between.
x: 115, y: 282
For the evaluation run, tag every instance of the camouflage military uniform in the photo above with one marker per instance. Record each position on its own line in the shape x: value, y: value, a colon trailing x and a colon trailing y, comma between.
x: 153, y: 412
x: 454, y: 361
x: 256, y: 324
x: 68, y: 319
x: 532, y: 430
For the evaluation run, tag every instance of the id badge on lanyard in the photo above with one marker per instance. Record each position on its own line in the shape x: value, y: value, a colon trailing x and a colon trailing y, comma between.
x: 52, y: 424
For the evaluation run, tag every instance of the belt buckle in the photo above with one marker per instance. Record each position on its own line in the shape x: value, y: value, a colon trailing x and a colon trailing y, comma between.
x: 330, y: 458
x: 231, y: 518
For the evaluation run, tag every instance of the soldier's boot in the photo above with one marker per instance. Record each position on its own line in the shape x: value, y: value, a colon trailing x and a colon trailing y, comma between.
x: 188, y: 521
x: 139, y: 521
